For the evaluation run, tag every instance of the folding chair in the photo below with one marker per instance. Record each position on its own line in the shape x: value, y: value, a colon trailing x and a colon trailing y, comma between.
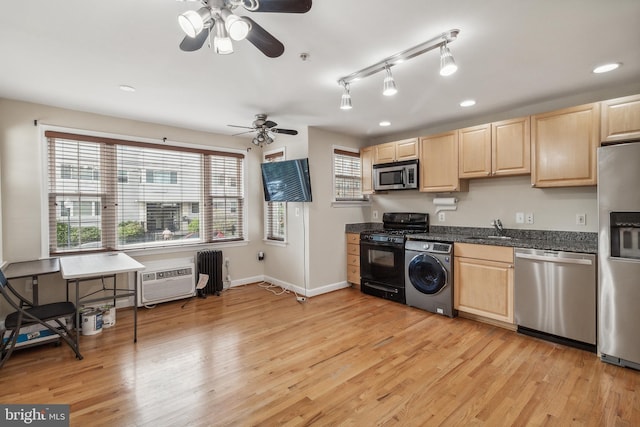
x: 27, y: 314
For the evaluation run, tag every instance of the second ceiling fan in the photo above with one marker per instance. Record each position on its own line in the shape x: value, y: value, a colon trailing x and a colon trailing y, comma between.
x: 265, y: 130
x: 217, y: 18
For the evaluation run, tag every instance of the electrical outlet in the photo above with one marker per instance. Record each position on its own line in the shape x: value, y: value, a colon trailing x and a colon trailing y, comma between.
x: 529, y: 218
x: 581, y: 219
x: 519, y: 217
x: 441, y: 217
x: 297, y: 211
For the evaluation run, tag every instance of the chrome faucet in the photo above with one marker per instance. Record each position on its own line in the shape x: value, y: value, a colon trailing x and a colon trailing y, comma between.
x: 498, y: 226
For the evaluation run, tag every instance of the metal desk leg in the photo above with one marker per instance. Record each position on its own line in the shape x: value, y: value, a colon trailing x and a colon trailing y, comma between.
x: 77, y: 312
x: 34, y: 289
x: 135, y: 306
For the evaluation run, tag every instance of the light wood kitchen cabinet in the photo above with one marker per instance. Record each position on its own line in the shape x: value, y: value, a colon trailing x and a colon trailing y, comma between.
x: 353, y: 258
x: 620, y: 119
x: 564, y: 147
x: 495, y: 149
x: 366, y: 169
x: 483, y: 282
x: 396, y: 151
x: 439, y: 163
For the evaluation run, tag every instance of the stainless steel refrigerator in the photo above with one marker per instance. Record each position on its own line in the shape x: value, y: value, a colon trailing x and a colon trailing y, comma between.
x: 619, y: 254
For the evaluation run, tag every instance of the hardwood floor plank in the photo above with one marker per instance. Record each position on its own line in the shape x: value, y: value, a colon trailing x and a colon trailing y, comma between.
x: 249, y: 357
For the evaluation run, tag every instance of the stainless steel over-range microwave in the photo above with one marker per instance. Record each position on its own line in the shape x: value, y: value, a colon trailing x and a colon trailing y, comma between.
x: 396, y: 176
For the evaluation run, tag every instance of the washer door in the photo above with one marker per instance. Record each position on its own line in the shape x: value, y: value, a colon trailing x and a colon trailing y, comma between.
x: 427, y: 274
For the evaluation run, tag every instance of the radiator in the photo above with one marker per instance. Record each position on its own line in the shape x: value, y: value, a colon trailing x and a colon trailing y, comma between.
x: 210, y: 263
x: 166, y: 280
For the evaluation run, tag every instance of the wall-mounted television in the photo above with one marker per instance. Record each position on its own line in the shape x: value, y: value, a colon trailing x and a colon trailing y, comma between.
x: 286, y: 181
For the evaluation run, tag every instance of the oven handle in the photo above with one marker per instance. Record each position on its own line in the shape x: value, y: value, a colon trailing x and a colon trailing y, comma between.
x: 381, y: 288
x: 381, y: 244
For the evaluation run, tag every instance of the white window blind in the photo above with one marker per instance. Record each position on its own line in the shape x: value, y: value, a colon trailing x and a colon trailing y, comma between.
x: 107, y: 194
x: 275, y: 217
x: 347, y: 175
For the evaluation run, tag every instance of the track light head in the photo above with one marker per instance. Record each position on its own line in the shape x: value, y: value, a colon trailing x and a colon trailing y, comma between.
x: 345, y: 101
x: 389, y: 85
x: 447, y: 64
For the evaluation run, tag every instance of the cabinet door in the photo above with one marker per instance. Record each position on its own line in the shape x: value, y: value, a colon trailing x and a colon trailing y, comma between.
x: 620, y: 119
x: 484, y: 288
x: 511, y: 147
x: 564, y: 147
x: 474, y: 146
x: 439, y: 163
x: 385, y: 153
x: 407, y: 149
x: 366, y: 163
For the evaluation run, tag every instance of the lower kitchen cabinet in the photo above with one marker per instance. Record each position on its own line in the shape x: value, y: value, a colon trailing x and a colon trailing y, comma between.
x: 353, y: 258
x: 483, y: 282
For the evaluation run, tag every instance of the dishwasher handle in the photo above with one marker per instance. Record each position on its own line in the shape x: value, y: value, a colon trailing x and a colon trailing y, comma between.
x: 558, y: 260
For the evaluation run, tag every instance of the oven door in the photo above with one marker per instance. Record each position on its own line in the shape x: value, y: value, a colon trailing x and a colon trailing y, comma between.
x: 383, y: 263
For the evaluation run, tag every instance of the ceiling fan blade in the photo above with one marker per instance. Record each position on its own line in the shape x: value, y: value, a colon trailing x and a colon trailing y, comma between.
x: 270, y: 124
x: 264, y: 41
x: 284, y: 6
x: 190, y: 44
x: 242, y: 133
x: 243, y: 127
x: 285, y: 131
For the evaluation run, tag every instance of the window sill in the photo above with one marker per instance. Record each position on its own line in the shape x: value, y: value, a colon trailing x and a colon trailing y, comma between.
x: 350, y: 204
x: 275, y: 243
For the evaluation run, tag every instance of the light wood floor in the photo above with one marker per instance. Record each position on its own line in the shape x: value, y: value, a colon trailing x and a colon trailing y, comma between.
x: 249, y: 357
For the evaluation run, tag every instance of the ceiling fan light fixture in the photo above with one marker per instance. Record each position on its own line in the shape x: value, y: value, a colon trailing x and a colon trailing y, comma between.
x: 447, y: 64
x: 192, y: 22
x: 221, y: 41
x: 237, y: 26
x: 389, y: 85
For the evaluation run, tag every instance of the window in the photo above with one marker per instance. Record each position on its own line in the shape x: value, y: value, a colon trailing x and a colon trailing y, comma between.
x: 115, y: 194
x: 347, y: 175
x: 275, y: 212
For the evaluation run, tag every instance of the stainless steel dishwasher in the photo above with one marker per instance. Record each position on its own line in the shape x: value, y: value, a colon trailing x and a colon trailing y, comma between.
x: 555, y: 296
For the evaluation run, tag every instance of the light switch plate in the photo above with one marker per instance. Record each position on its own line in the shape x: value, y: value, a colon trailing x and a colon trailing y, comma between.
x: 519, y: 217
x: 581, y: 219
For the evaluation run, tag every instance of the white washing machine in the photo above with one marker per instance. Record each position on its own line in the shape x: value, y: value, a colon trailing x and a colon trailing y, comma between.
x: 429, y: 276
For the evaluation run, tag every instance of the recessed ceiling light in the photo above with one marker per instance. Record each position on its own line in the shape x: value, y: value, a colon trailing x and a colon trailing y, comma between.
x: 385, y: 123
x: 605, y: 68
x: 468, y: 103
x: 127, y: 88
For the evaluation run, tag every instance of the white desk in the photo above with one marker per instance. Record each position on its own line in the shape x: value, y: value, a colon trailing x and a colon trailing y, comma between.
x: 80, y: 268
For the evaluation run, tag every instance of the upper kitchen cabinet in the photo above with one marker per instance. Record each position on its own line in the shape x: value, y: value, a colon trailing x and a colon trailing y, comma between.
x: 564, y: 147
x: 366, y: 163
x: 620, y: 119
x: 497, y: 149
x: 396, y: 151
x: 439, y: 163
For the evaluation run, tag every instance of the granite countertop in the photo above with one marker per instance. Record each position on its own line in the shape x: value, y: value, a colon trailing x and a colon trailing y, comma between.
x: 569, y: 241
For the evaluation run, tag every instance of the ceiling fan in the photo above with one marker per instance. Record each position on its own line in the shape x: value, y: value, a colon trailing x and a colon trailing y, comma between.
x: 217, y: 17
x: 265, y: 130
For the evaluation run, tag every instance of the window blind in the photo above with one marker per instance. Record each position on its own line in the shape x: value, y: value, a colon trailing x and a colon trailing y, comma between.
x: 107, y: 194
x: 347, y: 175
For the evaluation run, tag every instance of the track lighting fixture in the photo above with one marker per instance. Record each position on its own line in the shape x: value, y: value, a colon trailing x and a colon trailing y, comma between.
x: 389, y: 85
x: 447, y: 65
x: 345, y: 102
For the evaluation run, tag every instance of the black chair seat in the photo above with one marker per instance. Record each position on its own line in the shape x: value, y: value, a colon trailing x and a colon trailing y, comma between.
x: 44, y: 312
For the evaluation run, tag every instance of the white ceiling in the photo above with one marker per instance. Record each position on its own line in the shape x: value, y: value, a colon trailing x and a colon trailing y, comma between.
x: 76, y: 53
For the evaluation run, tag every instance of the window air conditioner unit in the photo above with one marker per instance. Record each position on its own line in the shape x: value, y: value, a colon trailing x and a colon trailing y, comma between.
x: 166, y: 280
